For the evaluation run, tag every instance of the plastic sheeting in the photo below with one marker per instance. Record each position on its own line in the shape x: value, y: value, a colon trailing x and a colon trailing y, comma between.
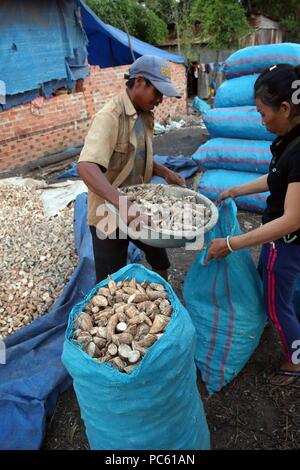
x: 34, y: 376
x: 157, y: 406
x: 243, y: 122
x: 109, y: 47
x: 228, y: 310
x: 214, y: 182
x: 235, y: 154
x: 183, y: 165
x: 254, y: 59
x: 160, y: 129
x: 43, y: 46
x: 236, y: 92
x: 57, y: 196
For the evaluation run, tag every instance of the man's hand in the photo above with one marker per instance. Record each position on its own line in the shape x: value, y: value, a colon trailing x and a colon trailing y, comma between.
x: 135, y: 212
x: 170, y: 176
x: 218, y: 249
x: 231, y: 192
x: 174, y: 178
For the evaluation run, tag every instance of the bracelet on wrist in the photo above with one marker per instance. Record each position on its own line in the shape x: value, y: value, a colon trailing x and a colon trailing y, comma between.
x: 228, y: 244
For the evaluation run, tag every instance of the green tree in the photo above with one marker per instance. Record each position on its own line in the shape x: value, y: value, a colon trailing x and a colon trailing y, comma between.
x: 133, y: 17
x: 287, y: 14
x: 222, y: 23
x: 149, y: 26
x: 177, y: 12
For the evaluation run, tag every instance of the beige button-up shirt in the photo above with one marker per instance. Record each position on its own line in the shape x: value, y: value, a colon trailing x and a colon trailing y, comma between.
x: 111, y: 143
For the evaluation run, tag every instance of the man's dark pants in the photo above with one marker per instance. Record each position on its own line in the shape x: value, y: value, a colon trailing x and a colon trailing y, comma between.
x: 111, y: 255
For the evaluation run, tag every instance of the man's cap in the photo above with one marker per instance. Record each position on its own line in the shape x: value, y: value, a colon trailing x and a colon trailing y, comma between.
x: 157, y: 71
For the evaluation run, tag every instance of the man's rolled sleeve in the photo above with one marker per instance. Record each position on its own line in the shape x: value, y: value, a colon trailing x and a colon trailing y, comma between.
x: 101, y: 140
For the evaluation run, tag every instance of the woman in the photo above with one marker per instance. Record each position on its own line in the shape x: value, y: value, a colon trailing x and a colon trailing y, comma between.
x: 277, y: 100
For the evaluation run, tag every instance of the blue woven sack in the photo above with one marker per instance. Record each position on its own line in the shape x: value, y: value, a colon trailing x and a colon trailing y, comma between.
x: 236, y: 92
x: 200, y: 105
x: 255, y: 59
x: 234, y: 154
x: 214, y: 182
x: 242, y: 122
x: 157, y: 406
x: 225, y: 302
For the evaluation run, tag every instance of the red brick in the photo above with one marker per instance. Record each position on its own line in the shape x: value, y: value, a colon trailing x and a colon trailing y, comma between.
x: 53, y: 128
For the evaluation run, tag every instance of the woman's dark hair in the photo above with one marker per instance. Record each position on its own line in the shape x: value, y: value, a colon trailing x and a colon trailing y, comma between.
x: 274, y: 86
x: 130, y: 82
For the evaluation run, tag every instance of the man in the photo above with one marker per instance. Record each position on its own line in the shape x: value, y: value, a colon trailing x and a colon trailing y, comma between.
x: 118, y: 152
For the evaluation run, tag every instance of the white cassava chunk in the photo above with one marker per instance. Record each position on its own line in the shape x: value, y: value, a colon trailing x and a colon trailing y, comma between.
x: 121, y: 326
x: 124, y: 350
x: 134, y: 357
x: 112, y: 349
x: 93, y: 350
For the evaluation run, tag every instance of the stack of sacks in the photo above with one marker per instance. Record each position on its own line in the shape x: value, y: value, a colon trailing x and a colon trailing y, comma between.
x: 239, y: 151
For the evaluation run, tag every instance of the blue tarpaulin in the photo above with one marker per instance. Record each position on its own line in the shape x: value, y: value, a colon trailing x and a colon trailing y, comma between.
x: 185, y: 166
x: 181, y: 164
x: 109, y: 47
x: 42, y: 47
x: 33, y: 376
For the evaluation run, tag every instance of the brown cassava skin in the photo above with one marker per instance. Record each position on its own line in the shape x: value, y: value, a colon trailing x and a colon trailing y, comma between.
x: 111, y: 326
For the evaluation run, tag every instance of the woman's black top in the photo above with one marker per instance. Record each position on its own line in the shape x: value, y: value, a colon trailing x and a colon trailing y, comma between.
x: 283, y: 171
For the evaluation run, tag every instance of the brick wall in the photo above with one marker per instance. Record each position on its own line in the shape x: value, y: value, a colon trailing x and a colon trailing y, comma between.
x: 29, y: 132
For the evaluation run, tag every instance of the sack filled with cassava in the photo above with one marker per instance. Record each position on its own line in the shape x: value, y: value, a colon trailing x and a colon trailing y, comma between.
x: 243, y: 122
x: 254, y: 59
x: 224, y: 299
x: 236, y: 92
x: 214, y: 182
x: 235, y: 154
x: 131, y: 357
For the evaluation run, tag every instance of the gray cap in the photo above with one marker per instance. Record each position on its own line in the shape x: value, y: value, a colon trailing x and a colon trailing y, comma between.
x: 157, y: 71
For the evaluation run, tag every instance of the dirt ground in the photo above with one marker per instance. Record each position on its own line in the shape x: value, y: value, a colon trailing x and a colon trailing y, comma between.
x: 246, y: 414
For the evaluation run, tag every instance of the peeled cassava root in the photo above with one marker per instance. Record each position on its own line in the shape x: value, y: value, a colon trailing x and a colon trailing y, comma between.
x: 37, y: 257
x: 175, y: 213
x: 122, y: 321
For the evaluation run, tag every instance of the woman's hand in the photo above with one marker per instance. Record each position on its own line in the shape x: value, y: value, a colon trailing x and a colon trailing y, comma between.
x: 172, y: 177
x: 217, y: 249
